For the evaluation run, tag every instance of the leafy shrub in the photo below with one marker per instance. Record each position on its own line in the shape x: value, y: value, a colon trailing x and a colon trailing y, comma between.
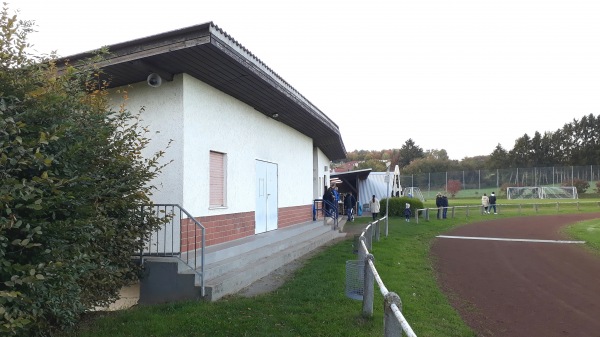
x: 73, y: 179
x: 398, y: 204
x: 453, y: 187
x: 580, y: 184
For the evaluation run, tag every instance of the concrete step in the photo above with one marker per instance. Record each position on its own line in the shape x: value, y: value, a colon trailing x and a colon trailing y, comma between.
x: 245, y: 274
x: 247, y: 254
x: 232, y: 266
x: 235, y: 248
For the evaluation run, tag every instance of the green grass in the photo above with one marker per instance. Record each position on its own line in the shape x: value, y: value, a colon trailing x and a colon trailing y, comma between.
x: 588, y: 231
x: 478, y: 192
x: 313, y: 302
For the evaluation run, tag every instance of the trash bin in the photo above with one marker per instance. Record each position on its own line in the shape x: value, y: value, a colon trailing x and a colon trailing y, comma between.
x: 355, y: 279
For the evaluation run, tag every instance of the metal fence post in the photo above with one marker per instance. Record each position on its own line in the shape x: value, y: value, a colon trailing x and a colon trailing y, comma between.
x: 453, y: 211
x: 427, y: 214
x: 467, y: 211
x: 387, y: 198
x: 368, y: 288
x: 377, y: 231
x: 391, y: 326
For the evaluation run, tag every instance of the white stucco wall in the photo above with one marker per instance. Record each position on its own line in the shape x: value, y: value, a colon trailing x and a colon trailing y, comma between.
x: 215, y: 121
x: 198, y: 119
x: 320, y: 161
x: 163, y: 114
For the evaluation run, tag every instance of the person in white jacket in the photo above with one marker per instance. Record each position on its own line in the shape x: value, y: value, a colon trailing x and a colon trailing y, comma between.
x: 374, y: 207
x: 485, y: 202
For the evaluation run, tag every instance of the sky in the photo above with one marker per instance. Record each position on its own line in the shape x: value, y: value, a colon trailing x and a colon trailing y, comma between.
x: 460, y: 75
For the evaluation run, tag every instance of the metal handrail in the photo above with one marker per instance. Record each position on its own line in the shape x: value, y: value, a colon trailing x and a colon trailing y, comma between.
x: 333, y: 215
x: 170, y: 238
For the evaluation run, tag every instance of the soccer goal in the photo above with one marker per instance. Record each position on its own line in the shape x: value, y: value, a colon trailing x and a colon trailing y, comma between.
x: 413, y: 192
x: 559, y: 192
x: 534, y: 192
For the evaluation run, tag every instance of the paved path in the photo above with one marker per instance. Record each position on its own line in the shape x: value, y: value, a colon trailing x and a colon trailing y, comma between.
x: 521, y: 288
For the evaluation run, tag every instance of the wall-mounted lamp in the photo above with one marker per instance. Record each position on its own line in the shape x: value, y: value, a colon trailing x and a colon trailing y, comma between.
x: 154, y: 80
x: 275, y: 115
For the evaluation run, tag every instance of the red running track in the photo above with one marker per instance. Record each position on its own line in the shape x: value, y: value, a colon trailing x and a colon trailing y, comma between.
x: 518, y: 289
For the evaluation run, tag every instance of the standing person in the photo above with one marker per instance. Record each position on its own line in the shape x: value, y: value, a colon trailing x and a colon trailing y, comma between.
x: 352, y: 204
x: 485, y: 202
x: 374, y: 207
x: 336, y: 198
x: 407, y: 212
x: 336, y: 194
x: 444, y: 205
x: 438, y: 203
x: 493, y: 202
x: 328, y: 200
x: 348, y: 206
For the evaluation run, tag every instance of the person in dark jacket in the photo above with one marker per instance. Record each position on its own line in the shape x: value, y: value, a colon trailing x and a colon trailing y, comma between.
x: 445, y: 206
x: 349, y: 203
x: 438, y: 204
x: 492, y: 199
x: 407, y: 213
x: 328, y: 201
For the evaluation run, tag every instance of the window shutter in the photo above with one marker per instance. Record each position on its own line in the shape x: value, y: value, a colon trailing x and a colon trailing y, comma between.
x: 217, y: 179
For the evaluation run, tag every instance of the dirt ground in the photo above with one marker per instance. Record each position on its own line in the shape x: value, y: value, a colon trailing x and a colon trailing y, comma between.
x: 521, y: 288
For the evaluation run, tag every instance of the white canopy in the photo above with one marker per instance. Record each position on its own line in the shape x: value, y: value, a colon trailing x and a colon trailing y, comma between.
x: 396, y: 187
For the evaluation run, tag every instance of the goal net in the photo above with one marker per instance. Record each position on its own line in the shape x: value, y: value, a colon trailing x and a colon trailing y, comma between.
x: 534, y: 192
x: 559, y: 192
x: 413, y: 192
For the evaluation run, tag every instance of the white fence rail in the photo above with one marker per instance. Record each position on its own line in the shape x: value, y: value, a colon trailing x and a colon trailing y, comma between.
x: 466, y: 211
x: 394, y: 322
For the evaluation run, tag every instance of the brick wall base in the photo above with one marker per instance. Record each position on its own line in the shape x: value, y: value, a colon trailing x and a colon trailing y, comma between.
x: 229, y: 227
x: 294, y: 215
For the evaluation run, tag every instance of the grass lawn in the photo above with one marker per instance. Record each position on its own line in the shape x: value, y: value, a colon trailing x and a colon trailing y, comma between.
x: 313, y: 302
x: 588, y: 231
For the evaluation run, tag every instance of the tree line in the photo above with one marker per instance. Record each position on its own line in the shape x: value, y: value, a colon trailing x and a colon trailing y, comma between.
x: 577, y: 143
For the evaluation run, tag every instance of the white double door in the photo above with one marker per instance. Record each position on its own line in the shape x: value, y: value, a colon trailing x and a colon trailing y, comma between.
x: 266, y: 197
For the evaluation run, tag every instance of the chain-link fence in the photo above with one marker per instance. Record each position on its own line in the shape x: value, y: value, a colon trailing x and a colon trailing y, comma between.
x: 480, y: 181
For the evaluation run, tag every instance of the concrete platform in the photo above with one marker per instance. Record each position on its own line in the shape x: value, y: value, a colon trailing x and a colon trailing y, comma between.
x: 232, y: 266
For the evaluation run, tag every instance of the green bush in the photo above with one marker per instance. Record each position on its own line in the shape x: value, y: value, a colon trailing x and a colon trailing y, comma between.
x: 580, y: 184
x: 398, y: 204
x: 72, y: 180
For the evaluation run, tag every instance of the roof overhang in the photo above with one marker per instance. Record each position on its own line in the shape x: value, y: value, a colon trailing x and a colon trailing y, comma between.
x: 351, y: 175
x: 209, y: 54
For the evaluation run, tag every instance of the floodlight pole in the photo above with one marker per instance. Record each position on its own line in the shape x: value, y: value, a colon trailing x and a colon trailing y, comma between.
x: 387, y: 197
